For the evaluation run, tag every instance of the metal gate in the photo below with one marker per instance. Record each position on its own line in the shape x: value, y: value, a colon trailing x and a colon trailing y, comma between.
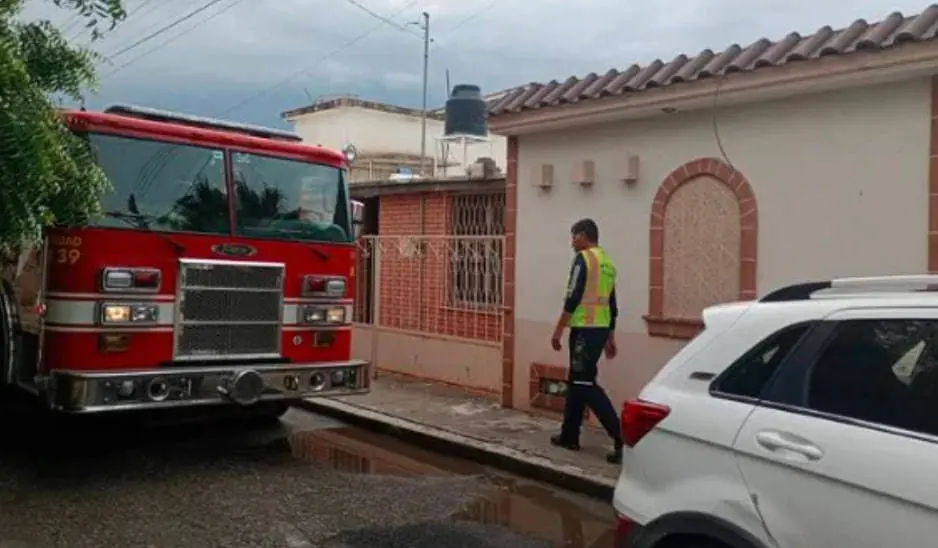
x: 437, y: 288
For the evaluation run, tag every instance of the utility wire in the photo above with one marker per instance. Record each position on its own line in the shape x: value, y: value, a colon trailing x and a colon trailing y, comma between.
x: 471, y: 17
x: 164, y: 28
x: 172, y: 39
x: 138, y: 14
x: 386, y: 20
x: 139, y: 7
x: 78, y: 19
x: 72, y: 23
x: 304, y: 70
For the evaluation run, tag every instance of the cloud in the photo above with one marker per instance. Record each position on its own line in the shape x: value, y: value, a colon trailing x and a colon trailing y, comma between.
x: 267, y: 56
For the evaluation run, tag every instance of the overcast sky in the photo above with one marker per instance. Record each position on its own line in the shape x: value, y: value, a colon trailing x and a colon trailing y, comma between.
x: 257, y: 58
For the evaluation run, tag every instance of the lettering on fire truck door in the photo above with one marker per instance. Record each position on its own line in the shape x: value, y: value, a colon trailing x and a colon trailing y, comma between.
x: 66, y: 250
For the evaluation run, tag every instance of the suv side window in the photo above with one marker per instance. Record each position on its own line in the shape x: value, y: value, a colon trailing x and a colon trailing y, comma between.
x: 880, y: 371
x: 749, y: 375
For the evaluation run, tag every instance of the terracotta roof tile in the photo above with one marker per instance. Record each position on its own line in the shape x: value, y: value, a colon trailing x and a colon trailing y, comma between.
x: 892, y: 31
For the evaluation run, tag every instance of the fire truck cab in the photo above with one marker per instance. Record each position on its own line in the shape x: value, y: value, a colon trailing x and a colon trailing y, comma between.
x: 221, y: 271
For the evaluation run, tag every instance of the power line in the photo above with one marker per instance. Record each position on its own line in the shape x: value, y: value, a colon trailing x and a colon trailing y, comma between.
x: 165, y: 28
x: 462, y: 23
x: 139, y: 13
x: 71, y: 23
x: 78, y: 19
x: 472, y: 16
x: 304, y: 70
x: 383, y: 19
x: 172, y: 39
x: 139, y: 7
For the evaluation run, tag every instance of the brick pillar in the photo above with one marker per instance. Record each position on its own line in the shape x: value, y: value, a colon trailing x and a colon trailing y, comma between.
x: 932, y: 237
x: 508, y: 269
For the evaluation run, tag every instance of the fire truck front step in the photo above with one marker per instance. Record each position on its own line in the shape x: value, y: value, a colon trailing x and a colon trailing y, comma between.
x: 104, y: 391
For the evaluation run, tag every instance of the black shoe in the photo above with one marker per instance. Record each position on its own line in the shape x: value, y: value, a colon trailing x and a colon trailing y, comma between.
x: 559, y: 442
x: 615, y: 457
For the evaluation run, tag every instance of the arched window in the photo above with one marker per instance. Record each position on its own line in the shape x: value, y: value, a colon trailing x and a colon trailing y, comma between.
x: 703, y: 235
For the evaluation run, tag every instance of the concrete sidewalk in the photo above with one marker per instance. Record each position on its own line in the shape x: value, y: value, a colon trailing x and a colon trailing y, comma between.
x: 448, y: 420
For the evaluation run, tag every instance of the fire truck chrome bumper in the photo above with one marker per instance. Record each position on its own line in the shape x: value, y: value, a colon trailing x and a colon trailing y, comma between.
x: 106, y: 391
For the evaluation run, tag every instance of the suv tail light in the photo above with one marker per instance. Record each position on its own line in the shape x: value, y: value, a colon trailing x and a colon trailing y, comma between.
x: 640, y: 417
x: 624, y: 527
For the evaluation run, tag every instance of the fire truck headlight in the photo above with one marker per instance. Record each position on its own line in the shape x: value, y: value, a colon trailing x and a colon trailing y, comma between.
x: 322, y: 315
x: 336, y: 315
x: 311, y: 314
x: 129, y: 313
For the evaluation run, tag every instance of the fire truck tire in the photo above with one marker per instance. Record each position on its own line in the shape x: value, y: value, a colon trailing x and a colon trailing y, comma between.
x: 7, y: 334
x: 270, y: 411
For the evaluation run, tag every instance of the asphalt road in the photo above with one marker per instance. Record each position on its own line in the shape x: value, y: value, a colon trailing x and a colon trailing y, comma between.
x: 307, y: 481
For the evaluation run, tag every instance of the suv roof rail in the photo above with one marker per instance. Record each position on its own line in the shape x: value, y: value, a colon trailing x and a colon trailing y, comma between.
x: 157, y: 115
x: 864, y: 285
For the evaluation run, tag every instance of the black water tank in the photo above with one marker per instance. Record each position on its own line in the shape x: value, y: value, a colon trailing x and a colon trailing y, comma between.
x: 465, y: 112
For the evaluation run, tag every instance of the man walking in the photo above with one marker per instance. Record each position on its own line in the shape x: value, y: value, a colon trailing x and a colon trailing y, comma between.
x: 590, y: 311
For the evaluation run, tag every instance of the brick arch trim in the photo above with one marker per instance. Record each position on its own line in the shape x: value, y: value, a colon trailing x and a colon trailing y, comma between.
x: 658, y: 324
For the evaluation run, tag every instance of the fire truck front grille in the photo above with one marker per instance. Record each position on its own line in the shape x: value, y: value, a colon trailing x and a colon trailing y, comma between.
x: 228, y: 310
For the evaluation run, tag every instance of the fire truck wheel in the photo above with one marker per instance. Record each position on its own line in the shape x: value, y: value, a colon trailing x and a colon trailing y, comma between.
x: 270, y: 411
x: 6, y: 336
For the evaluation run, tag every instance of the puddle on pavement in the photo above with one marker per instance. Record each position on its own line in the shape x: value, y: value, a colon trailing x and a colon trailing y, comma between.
x: 523, y: 506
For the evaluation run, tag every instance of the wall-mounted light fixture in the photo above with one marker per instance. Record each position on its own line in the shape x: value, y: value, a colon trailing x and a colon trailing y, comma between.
x: 543, y: 176
x: 585, y: 173
x: 631, y: 170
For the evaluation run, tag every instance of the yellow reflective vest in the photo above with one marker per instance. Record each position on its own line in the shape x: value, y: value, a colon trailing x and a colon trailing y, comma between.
x: 593, y: 310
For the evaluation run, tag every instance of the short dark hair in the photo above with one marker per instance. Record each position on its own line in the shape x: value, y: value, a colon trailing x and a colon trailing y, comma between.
x: 588, y: 228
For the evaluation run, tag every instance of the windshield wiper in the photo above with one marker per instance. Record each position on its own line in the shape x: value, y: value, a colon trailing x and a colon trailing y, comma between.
x: 140, y: 220
x: 322, y: 255
x: 136, y: 220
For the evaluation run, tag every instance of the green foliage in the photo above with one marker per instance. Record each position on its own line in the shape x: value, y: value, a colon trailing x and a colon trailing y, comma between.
x: 47, y: 175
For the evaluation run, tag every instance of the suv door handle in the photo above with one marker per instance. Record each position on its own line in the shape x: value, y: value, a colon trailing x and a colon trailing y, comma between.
x: 781, y: 441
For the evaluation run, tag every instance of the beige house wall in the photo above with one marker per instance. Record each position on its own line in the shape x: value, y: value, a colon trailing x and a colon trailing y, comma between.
x: 838, y: 185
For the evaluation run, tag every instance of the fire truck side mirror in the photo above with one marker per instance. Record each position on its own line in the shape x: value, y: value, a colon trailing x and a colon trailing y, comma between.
x: 358, y: 217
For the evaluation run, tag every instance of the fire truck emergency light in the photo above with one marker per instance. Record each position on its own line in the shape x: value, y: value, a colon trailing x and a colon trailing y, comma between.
x: 323, y: 286
x: 131, y: 279
x: 322, y: 315
x: 112, y: 313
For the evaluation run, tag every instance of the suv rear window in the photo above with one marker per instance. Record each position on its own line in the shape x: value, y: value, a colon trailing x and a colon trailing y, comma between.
x: 880, y: 371
x: 750, y: 374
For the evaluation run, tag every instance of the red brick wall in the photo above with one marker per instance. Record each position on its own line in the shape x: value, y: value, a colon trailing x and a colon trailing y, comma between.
x: 415, y: 272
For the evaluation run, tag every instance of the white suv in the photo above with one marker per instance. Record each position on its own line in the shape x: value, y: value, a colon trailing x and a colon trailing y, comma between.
x: 806, y: 419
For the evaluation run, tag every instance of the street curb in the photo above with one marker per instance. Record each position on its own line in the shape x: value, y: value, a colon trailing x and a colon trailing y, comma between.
x: 448, y: 442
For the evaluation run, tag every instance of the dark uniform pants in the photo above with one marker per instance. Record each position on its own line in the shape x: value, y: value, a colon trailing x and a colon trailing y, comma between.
x: 586, y: 347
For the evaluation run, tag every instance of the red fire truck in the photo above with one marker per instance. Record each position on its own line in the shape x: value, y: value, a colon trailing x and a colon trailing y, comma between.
x: 221, y: 271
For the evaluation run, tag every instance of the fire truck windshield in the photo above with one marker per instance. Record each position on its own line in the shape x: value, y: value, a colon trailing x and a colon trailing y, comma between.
x: 174, y: 187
